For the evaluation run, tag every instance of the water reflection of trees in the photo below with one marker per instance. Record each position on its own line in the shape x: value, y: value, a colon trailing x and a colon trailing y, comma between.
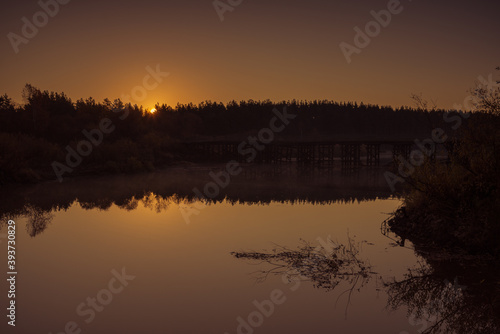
x: 38, y: 220
x: 158, y: 191
x: 454, y: 292
x: 440, y: 303
x: 441, y: 297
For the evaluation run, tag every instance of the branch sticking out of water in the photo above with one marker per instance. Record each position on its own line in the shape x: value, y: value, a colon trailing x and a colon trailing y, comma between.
x: 325, y: 268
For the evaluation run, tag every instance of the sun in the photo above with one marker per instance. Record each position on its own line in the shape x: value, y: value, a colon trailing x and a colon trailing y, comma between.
x: 152, y: 111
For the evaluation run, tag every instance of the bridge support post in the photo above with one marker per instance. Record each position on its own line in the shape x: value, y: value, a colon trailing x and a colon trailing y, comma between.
x: 350, y: 155
x: 373, y: 154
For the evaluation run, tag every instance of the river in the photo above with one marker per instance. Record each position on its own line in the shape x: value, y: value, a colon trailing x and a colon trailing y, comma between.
x: 142, y: 254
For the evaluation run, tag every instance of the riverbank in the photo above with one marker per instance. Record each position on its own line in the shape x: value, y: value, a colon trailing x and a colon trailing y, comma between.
x: 454, y: 207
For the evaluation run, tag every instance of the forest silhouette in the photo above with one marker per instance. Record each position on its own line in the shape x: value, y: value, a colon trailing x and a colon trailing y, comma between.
x: 37, y: 133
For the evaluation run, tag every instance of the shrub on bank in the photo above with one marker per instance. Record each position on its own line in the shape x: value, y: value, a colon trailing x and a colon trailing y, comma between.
x: 457, y: 204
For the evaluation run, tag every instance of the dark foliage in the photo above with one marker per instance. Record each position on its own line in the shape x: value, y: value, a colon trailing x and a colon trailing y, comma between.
x: 42, y: 128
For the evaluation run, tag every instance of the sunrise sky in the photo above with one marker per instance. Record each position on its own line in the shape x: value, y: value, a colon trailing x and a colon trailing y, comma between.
x: 264, y: 49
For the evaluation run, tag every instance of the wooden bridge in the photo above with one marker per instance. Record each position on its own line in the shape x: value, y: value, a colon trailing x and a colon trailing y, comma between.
x: 347, y: 153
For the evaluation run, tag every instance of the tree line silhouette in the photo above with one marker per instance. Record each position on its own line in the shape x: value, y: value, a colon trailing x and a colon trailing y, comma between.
x: 35, y: 134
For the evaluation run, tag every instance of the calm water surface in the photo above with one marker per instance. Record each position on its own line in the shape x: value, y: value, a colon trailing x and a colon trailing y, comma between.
x: 75, y: 238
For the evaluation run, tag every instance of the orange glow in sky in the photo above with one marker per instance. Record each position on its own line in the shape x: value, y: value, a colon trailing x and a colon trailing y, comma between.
x: 278, y: 50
